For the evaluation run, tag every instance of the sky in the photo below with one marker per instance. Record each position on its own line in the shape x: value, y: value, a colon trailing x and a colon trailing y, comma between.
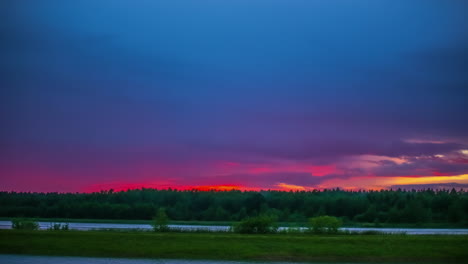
x: 245, y: 94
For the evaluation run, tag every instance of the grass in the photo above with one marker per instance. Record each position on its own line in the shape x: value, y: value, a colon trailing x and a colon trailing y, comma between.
x: 229, y: 246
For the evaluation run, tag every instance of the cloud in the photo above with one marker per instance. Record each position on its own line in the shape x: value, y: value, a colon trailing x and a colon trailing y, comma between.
x: 447, y: 164
x: 434, y: 186
x: 267, y: 180
x: 330, y: 147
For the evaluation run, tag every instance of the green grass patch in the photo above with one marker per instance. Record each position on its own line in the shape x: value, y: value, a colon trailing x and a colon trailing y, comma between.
x: 229, y: 246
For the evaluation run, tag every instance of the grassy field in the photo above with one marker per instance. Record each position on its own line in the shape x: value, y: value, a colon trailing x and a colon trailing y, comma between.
x: 228, y: 246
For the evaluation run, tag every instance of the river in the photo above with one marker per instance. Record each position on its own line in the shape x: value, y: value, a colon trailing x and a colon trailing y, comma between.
x: 97, y: 226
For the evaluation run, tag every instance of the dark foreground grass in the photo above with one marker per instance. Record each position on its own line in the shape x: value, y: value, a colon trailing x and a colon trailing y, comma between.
x: 228, y: 246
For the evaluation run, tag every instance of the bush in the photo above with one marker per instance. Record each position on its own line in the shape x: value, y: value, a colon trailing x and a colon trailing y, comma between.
x: 24, y: 224
x: 256, y: 225
x: 324, y: 224
x: 161, y: 221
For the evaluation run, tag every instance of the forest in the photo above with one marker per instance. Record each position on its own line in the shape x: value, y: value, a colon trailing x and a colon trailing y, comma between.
x: 385, y: 206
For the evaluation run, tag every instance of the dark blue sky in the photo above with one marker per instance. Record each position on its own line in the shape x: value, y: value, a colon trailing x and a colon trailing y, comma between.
x: 255, y: 94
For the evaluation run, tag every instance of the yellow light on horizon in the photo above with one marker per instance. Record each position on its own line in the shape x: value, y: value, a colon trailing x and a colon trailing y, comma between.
x: 430, y: 180
x: 369, y: 182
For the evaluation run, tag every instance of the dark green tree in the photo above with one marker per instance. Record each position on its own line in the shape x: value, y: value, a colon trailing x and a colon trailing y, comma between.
x: 161, y: 221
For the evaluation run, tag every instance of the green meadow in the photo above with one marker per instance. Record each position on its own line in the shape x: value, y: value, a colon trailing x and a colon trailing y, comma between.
x: 231, y: 246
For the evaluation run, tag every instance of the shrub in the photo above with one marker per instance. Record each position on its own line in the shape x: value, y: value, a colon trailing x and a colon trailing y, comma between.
x: 161, y: 221
x: 324, y: 224
x: 256, y: 225
x: 24, y: 224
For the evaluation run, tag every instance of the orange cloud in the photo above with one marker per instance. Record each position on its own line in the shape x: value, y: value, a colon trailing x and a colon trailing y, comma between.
x: 216, y: 188
x: 291, y: 187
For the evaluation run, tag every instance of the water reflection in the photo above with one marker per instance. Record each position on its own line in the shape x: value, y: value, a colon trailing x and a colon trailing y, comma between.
x: 97, y: 226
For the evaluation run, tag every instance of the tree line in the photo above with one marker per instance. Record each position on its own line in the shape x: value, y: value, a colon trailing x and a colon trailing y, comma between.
x: 385, y: 206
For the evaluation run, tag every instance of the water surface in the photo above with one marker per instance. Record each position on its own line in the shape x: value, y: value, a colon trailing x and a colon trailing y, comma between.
x: 98, y: 226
